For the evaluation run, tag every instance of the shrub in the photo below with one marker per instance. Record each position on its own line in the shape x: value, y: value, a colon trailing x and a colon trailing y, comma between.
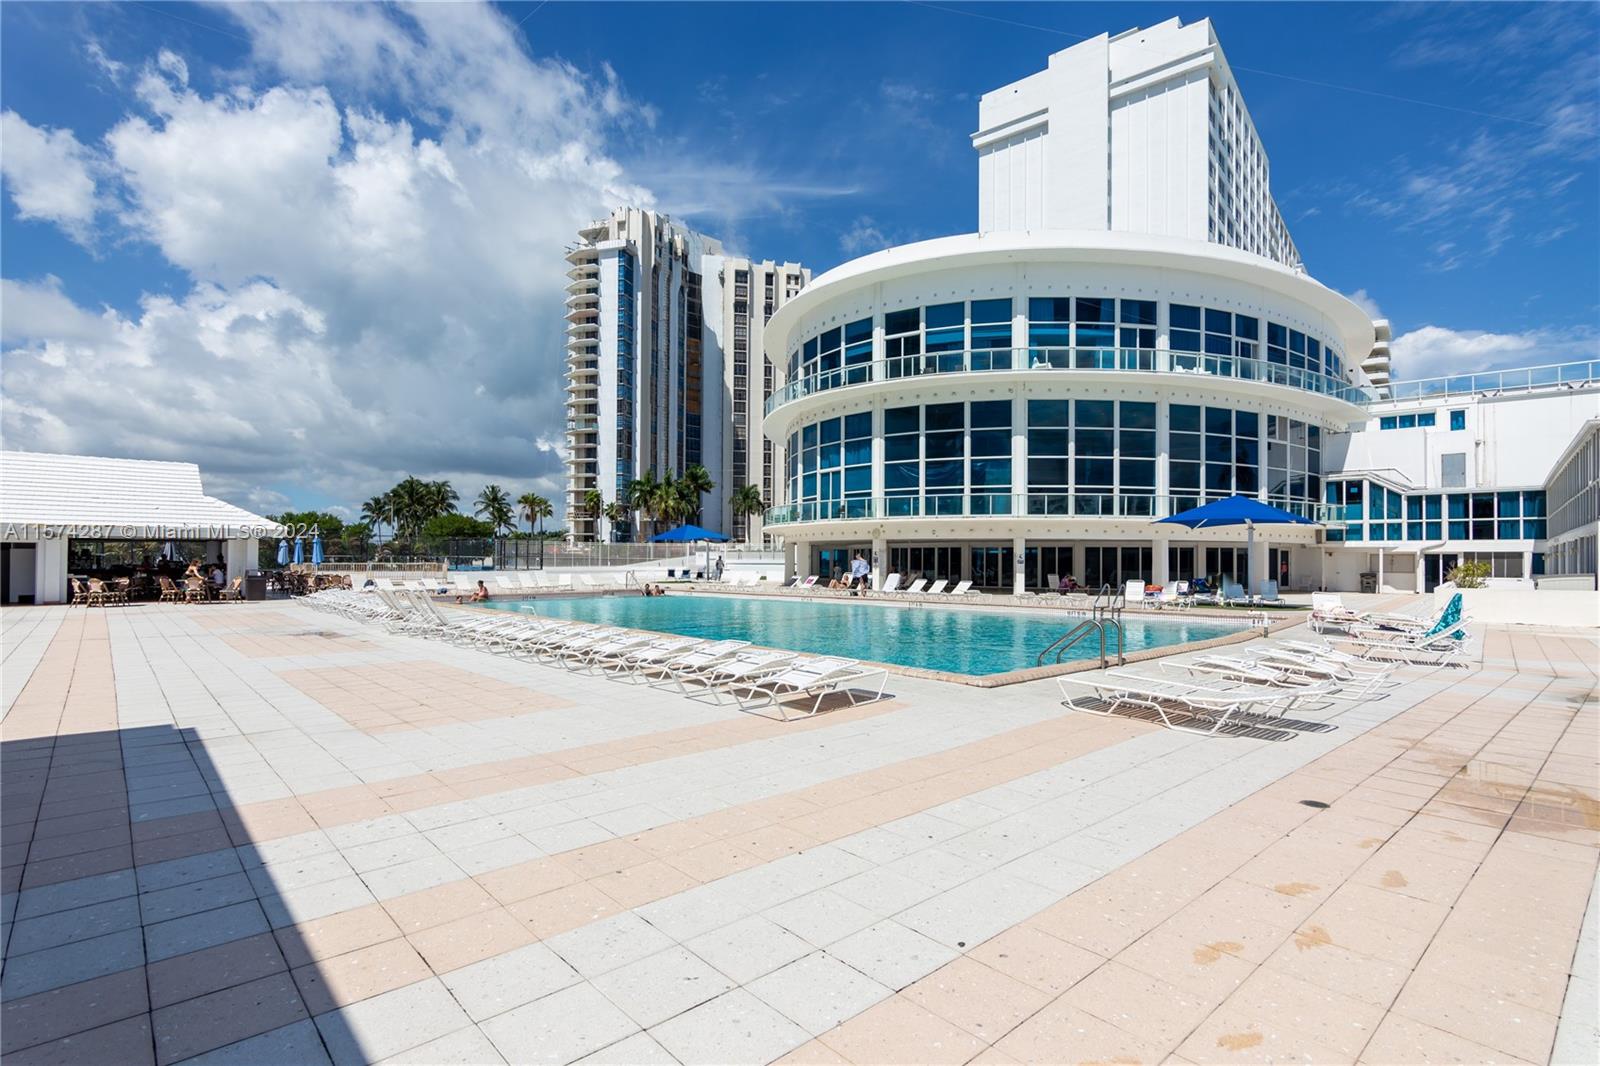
x: 1469, y: 575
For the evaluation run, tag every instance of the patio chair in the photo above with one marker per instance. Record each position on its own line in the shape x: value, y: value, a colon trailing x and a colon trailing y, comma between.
x: 936, y: 588
x: 234, y: 593
x: 804, y: 677
x: 1269, y: 593
x: 890, y: 584
x: 1179, y: 705
x: 915, y: 587
x: 635, y: 662
x: 194, y: 590
x: 1253, y: 671
x: 694, y: 660
x: 170, y: 593
x: 961, y: 589
x: 742, y: 665
x: 1233, y: 593
x: 1133, y: 591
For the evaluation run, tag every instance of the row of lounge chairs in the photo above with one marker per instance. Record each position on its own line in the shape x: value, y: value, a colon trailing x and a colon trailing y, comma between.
x: 515, y: 584
x: 754, y: 678
x: 1440, y: 637
x: 892, y: 587
x: 1210, y: 693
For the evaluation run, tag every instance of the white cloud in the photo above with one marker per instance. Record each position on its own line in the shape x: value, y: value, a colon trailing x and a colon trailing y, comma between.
x: 1364, y: 300
x: 1436, y: 351
x: 373, y: 293
x: 863, y: 236
x: 49, y: 174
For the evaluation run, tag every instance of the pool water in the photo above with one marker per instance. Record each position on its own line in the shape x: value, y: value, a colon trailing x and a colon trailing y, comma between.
x: 972, y: 642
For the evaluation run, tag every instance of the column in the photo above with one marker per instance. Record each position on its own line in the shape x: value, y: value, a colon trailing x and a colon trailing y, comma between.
x: 880, y: 560
x: 788, y: 560
x: 1163, y: 449
x: 50, y: 570
x: 1019, y: 453
x: 802, y: 558
x: 1258, y: 566
x: 1077, y: 564
x: 1019, y: 565
x: 879, y: 506
x: 1160, y: 574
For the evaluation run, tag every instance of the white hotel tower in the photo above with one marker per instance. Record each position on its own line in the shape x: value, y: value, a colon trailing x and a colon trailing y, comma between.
x: 1131, y: 333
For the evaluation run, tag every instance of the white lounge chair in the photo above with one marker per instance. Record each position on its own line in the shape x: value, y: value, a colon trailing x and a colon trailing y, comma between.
x: 1269, y: 593
x: 1255, y: 672
x: 936, y: 588
x: 915, y: 587
x: 1133, y: 591
x: 1180, y: 705
x: 961, y: 589
x: 587, y: 582
x: 637, y: 662
x: 890, y: 584
x: 690, y: 664
x: 742, y: 666
x: 564, y: 581
x: 1232, y: 593
x: 1443, y: 648
x: 806, y: 676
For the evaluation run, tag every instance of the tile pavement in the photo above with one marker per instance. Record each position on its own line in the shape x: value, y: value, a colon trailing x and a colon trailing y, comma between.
x: 259, y: 834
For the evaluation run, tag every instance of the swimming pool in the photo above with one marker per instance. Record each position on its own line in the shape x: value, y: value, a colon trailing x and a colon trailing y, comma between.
x: 973, y: 642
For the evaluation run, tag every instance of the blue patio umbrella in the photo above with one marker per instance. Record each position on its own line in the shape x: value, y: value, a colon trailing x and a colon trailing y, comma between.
x: 688, y: 534
x: 316, y: 551
x: 299, y: 551
x: 283, y: 552
x: 1237, y: 511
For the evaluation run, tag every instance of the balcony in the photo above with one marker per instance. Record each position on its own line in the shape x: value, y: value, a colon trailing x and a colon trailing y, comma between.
x: 1584, y: 374
x: 1047, y: 361
x: 1043, y: 504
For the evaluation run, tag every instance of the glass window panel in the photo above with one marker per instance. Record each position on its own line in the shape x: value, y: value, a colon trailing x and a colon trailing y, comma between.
x: 902, y: 420
x: 1137, y: 312
x: 946, y: 416
x: 1458, y: 505
x: 1093, y: 309
x: 1533, y: 505
x: 1408, y: 421
x: 1138, y: 444
x: 1510, y: 504
x: 991, y: 442
x: 1096, y: 336
x: 1219, y: 478
x: 1425, y: 419
x: 907, y: 447
x: 1246, y: 327
x: 1185, y: 340
x: 1138, y: 473
x: 1095, y: 412
x: 1047, y: 412
x: 808, y: 350
x: 1184, y: 446
x: 859, y: 425
x: 1095, y: 473
x: 1219, y: 449
x: 830, y: 340
x: 1218, y: 345
x: 858, y: 479
x: 808, y: 436
x: 906, y: 321
x: 1219, y: 420
x: 1277, y: 335
x: 1047, y: 473
x: 1138, y: 415
x: 991, y: 311
x: 857, y: 451
x: 900, y: 476
x: 995, y: 413
x: 1049, y: 309
x: 1533, y: 528
x: 945, y: 315
x: 943, y: 474
x: 991, y: 336
x: 1510, y: 530
x: 859, y: 330
x: 991, y: 473
x: 1094, y: 441
x: 1184, y: 317
x: 829, y: 455
x: 1246, y: 423
x: 1218, y: 321
x: 1047, y: 442
x: 1184, y: 417
x: 830, y: 430
x: 1184, y: 475
x: 943, y: 445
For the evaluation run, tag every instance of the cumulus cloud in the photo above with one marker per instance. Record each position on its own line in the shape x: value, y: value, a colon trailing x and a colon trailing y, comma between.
x: 1364, y: 300
x: 49, y: 175
x: 372, y: 292
x: 863, y: 236
x: 1435, y: 351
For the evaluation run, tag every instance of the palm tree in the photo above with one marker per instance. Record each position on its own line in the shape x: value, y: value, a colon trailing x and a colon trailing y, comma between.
x: 409, y: 501
x: 378, y: 511
x: 642, y: 494
x: 535, y: 508
x: 494, y: 506
x: 594, y: 505
x: 746, y: 502
x: 441, y: 498
x: 697, y: 483
x: 615, y: 513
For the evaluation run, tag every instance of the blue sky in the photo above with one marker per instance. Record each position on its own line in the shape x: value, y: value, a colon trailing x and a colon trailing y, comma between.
x: 321, y: 245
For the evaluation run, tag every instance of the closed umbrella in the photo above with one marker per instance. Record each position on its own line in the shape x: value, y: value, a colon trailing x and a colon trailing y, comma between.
x: 316, y: 551
x: 299, y: 551
x: 283, y: 552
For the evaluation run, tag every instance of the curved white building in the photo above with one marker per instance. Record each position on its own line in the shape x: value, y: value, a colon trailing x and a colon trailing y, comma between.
x: 1008, y: 406
x: 1130, y: 334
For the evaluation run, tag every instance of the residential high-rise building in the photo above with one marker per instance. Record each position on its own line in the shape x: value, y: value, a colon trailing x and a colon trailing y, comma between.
x: 665, y: 368
x: 1143, y: 132
x: 740, y: 295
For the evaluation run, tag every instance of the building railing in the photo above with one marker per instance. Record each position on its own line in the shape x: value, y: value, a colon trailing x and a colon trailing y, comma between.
x: 1044, y: 503
x: 1046, y: 360
x: 1581, y: 374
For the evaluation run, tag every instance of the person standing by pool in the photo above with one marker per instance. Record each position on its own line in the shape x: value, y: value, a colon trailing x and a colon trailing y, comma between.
x: 859, y: 569
x: 719, y: 567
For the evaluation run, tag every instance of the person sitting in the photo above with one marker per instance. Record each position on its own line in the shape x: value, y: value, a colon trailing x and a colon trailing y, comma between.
x: 1068, y: 583
x: 218, y: 577
x: 479, y: 594
x: 659, y: 591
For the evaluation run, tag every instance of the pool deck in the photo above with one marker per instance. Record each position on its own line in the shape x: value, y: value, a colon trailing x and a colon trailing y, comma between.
x: 261, y: 833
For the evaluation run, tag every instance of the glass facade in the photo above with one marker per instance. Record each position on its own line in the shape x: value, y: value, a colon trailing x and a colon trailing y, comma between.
x: 1368, y: 511
x: 1064, y: 332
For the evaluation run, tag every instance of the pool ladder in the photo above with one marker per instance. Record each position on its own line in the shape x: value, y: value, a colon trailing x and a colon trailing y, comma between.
x: 1105, y: 618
